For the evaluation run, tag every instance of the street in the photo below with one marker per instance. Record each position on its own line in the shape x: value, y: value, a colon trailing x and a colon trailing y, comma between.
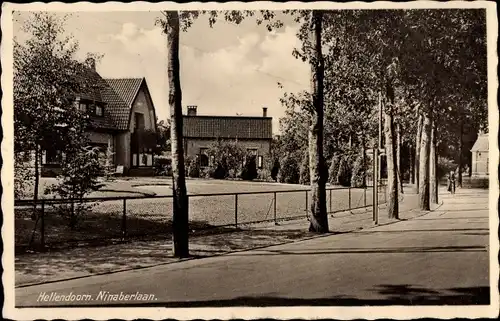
x: 438, y: 258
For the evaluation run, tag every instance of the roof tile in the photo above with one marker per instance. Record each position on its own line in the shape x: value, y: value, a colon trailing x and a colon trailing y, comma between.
x: 227, y: 127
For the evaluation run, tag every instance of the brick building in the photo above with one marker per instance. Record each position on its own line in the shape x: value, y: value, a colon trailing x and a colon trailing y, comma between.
x: 122, y: 117
x: 253, y: 134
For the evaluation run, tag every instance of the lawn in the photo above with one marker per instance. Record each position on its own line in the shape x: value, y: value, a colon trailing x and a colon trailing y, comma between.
x: 149, y: 216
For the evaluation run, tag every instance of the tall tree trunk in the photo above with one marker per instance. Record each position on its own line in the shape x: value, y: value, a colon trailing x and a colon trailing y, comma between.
x: 36, y: 185
x: 460, y: 150
x: 319, y: 218
x: 432, y: 165
x: 424, y: 163
x: 363, y: 151
x: 411, y: 168
x: 180, y: 220
x: 398, y: 157
x: 390, y: 152
x: 418, y: 140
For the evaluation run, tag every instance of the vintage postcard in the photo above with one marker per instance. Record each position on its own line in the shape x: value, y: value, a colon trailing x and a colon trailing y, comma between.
x: 250, y: 160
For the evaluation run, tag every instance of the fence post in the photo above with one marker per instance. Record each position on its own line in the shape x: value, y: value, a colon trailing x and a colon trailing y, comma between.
x: 275, y: 221
x: 364, y: 198
x: 42, y: 227
x: 307, y: 205
x: 331, y: 201
x: 124, y: 219
x: 236, y: 210
x: 349, y: 189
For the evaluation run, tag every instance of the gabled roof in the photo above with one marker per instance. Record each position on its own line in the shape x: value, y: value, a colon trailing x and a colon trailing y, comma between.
x: 126, y: 88
x: 481, y: 144
x: 229, y: 127
x: 120, y: 97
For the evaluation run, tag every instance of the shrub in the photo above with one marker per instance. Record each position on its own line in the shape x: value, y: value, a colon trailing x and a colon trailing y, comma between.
x: 333, y: 170
x: 227, y: 159
x: 275, y: 169
x: 304, y: 174
x: 249, y: 171
x: 163, y: 166
x: 358, y: 172
x: 344, y: 173
x: 23, y: 175
x: 445, y: 165
x: 80, y: 170
x: 289, y: 170
x: 265, y: 175
x: 192, y: 167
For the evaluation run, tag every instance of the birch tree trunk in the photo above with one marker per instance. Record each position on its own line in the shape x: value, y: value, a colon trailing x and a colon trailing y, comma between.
x: 319, y: 218
x: 416, y: 164
x: 432, y: 166
x: 392, y: 168
x: 398, y: 157
x: 180, y: 220
x: 424, y: 163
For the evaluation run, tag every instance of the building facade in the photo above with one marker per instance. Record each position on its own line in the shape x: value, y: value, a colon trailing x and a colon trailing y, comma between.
x: 253, y: 134
x: 122, y: 120
x: 480, y: 156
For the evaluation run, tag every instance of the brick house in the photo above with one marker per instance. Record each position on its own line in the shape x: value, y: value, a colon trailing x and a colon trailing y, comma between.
x: 122, y: 115
x: 253, y: 134
x: 480, y: 155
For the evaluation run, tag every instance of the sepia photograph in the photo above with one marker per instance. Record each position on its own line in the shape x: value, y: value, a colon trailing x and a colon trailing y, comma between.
x: 250, y: 160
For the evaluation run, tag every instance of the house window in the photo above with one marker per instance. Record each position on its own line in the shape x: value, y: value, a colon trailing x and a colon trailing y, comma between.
x: 138, y: 121
x: 260, y: 161
x: 52, y: 157
x: 82, y: 107
x: 143, y: 159
x: 204, y: 157
x: 99, y: 111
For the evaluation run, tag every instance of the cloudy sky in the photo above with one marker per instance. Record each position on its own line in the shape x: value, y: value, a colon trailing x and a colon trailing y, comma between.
x: 225, y: 70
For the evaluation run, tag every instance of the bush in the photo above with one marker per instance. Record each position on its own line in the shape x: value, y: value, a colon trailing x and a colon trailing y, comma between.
x: 227, y: 159
x: 275, y: 169
x: 344, y: 173
x: 445, y: 166
x: 80, y: 170
x: 333, y: 170
x: 289, y: 170
x: 264, y: 175
x: 192, y: 167
x: 304, y: 174
x: 23, y: 175
x: 358, y: 172
x: 249, y: 171
x: 163, y: 166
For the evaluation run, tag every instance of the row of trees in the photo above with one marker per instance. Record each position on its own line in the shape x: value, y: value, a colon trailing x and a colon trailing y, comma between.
x: 426, y: 69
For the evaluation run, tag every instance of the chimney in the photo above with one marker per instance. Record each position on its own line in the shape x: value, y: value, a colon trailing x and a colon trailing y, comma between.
x: 90, y: 62
x: 191, y: 110
x: 264, y: 111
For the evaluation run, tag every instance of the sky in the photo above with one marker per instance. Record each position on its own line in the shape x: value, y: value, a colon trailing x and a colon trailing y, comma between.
x: 225, y: 70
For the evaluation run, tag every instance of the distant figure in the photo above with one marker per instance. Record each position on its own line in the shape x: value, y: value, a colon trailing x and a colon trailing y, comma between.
x: 451, y: 182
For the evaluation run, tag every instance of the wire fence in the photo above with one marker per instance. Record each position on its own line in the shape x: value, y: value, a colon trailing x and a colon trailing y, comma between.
x: 63, y: 223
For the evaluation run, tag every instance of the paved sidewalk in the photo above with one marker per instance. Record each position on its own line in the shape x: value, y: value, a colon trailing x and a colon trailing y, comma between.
x: 85, y: 261
x: 438, y: 258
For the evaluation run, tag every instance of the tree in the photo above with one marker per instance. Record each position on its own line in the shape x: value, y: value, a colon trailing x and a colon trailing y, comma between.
x: 47, y: 81
x: 81, y: 168
x: 163, y: 136
x: 319, y: 217
x: 180, y: 218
